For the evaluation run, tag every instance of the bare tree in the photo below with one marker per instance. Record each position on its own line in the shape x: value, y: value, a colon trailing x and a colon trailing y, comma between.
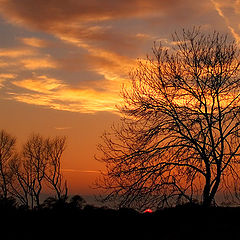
x: 178, y: 139
x: 54, y: 177
x: 21, y: 182
x: 38, y: 167
x: 35, y: 163
x: 7, y: 153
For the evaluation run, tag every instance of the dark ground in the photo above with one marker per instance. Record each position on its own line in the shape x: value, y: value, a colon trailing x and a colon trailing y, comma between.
x: 99, y: 223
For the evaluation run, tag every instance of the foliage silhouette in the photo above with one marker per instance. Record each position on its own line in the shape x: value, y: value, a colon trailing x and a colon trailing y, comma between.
x: 77, y: 202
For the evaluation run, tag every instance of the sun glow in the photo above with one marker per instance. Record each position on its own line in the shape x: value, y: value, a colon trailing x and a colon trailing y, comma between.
x: 148, y: 210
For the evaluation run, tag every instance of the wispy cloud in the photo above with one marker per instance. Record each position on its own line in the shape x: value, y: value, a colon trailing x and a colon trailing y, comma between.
x: 41, y: 84
x: 62, y: 128
x: 55, y: 94
x: 38, y: 63
x: 34, y: 42
x: 6, y: 76
x: 79, y: 171
x: 16, y: 53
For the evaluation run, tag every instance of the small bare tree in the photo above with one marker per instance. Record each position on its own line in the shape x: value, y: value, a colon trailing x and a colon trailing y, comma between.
x: 7, y: 153
x: 179, y: 138
x: 21, y: 182
x: 35, y: 163
x: 38, y: 167
x: 54, y: 177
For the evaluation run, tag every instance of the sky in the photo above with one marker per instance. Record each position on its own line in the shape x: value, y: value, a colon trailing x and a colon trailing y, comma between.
x: 63, y: 64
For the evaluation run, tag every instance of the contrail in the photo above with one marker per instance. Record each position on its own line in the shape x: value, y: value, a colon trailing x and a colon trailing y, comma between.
x: 218, y: 9
x: 79, y: 171
x: 220, y: 12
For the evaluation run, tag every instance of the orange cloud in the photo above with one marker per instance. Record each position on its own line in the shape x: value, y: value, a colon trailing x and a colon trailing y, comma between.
x: 6, y: 76
x: 3, y: 64
x: 38, y: 63
x: 34, y: 42
x: 42, y: 84
x: 112, y: 66
x: 55, y: 94
x: 16, y: 53
x: 80, y: 102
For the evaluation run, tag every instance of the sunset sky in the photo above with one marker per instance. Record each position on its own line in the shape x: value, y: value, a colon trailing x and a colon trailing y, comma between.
x: 63, y: 62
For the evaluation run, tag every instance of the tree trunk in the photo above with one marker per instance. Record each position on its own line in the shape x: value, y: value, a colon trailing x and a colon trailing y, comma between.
x: 206, y: 196
x: 207, y: 188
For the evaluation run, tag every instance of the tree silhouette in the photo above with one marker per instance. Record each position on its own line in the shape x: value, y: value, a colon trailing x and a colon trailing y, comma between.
x: 7, y: 153
x: 55, y: 148
x: 77, y: 202
x: 38, y: 167
x: 178, y: 139
x: 35, y: 163
x: 20, y: 184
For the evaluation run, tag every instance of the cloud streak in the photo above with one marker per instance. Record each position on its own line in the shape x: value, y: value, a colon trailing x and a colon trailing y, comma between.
x: 35, y: 42
x: 16, y: 53
x: 79, y: 171
x: 37, y: 63
x: 53, y: 93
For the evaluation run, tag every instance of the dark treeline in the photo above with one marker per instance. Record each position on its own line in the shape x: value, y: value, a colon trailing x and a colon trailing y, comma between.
x: 74, y: 219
